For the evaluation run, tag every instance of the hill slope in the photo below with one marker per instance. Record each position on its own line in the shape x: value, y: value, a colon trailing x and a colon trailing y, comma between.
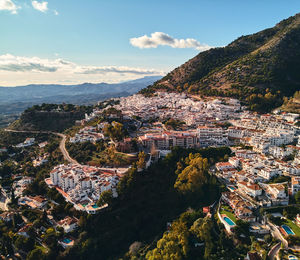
x: 269, y: 59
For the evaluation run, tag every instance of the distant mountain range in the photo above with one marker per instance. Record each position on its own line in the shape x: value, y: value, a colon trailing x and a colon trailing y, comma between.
x: 16, y: 99
x: 255, y: 64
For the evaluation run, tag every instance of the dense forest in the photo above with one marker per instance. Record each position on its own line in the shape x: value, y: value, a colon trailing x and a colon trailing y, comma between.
x: 147, y: 201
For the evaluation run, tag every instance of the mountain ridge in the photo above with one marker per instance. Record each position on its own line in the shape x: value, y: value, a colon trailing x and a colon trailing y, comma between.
x: 14, y: 100
x: 266, y: 61
x: 8, y: 94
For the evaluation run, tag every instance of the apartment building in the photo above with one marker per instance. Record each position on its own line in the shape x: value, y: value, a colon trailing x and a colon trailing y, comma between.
x: 212, y: 136
x: 167, y: 140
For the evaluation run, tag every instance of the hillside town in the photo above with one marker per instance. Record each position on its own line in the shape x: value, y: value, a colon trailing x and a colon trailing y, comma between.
x: 261, y: 174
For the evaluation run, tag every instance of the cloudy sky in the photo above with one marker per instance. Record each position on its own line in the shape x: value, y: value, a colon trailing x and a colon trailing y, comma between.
x: 67, y: 41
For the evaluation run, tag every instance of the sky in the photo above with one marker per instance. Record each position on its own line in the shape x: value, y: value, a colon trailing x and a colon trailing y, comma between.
x: 76, y: 41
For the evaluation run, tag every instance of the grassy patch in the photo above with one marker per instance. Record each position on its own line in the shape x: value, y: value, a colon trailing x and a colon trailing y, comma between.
x: 225, y: 210
x: 293, y: 226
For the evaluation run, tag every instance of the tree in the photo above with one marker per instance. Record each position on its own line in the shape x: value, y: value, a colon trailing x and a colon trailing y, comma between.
x: 202, y: 230
x: 297, y: 197
x: 35, y: 254
x: 173, y: 244
x: 193, y: 176
x: 242, y: 228
x: 115, y: 131
x: 24, y: 243
x: 105, y: 197
x: 141, y: 163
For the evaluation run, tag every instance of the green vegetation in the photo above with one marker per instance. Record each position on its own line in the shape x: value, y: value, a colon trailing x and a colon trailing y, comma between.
x: 84, y: 152
x: 141, y: 163
x: 287, y: 211
x: 115, y: 131
x: 285, y: 221
x: 41, y: 117
x: 292, y: 104
x: 191, y: 236
x: 147, y: 197
x: 105, y: 197
x: 173, y: 124
x: 97, y: 154
x: 297, y: 197
x: 293, y: 226
x: 194, y: 176
x: 293, y: 240
x: 226, y: 210
x: 280, y: 179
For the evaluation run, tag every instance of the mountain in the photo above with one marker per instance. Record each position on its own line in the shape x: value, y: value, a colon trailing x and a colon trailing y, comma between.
x: 14, y: 100
x: 67, y: 93
x: 267, y: 61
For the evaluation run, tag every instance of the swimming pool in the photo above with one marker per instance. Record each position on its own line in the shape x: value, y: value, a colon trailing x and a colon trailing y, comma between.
x: 67, y: 240
x: 95, y: 206
x: 288, y: 230
x: 292, y: 257
x: 229, y: 221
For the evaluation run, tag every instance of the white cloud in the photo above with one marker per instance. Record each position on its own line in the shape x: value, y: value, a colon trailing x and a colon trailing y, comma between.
x: 40, y: 6
x: 9, y: 5
x: 18, y: 70
x: 160, y: 38
x: 55, y: 12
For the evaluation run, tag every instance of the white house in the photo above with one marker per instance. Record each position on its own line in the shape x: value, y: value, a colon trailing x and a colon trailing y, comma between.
x: 295, y: 185
x: 252, y: 190
x: 68, y: 224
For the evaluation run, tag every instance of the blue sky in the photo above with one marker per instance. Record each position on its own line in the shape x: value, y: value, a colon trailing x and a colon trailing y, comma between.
x: 93, y: 36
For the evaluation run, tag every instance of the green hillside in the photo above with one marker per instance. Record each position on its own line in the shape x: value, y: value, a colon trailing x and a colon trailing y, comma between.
x: 265, y: 65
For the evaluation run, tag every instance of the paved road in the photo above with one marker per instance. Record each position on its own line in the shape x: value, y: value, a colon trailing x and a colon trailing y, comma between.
x: 274, y: 251
x: 62, y: 145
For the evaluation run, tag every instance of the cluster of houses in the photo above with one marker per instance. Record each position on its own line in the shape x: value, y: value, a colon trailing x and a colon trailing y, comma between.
x: 28, y: 142
x: 82, y: 185
x: 40, y: 160
x: 34, y: 202
x: 178, y: 106
x: 172, y: 105
x: 242, y: 208
x: 250, y: 172
x: 20, y: 185
x: 263, y: 132
x: 87, y: 134
x: 248, y: 176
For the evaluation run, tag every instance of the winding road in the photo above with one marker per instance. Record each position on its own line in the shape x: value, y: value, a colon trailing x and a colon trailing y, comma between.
x: 62, y: 144
x: 274, y: 251
x: 62, y: 147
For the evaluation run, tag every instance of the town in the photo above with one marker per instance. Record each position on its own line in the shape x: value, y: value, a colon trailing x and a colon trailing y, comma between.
x: 262, y: 173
